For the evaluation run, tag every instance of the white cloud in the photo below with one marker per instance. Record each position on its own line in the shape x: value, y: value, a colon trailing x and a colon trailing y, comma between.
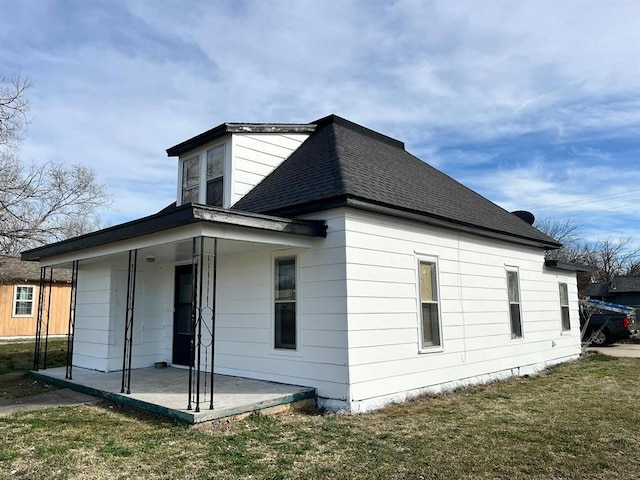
x: 118, y: 82
x: 457, y: 65
x: 601, y: 199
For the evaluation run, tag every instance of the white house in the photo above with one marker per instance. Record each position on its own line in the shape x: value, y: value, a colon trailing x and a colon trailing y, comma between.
x: 321, y: 255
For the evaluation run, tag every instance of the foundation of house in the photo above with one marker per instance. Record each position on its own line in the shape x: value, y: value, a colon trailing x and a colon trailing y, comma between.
x: 164, y: 391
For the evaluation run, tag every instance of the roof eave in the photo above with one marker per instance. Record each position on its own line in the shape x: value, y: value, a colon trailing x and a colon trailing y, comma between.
x: 572, y: 267
x: 227, y: 128
x: 183, y: 215
x: 346, y: 201
x: 451, y: 224
x: 198, y: 140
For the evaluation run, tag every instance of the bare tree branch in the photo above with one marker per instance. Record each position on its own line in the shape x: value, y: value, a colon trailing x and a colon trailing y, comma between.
x: 609, y: 258
x: 14, y: 107
x: 566, y: 231
x: 44, y: 203
x: 606, y: 257
x: 39, y: 203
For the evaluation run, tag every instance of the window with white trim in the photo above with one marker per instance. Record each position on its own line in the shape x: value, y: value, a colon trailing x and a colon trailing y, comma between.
x: 191, y: 180
x: 564, y: 307
x: 203, y: 177
x: 215, y: 175
x: 285, y: 303
x: 23, y: 301
x: 429, y: 306
x: 515, y: 315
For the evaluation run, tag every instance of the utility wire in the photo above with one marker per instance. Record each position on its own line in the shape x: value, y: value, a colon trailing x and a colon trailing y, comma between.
x: 597, y: 199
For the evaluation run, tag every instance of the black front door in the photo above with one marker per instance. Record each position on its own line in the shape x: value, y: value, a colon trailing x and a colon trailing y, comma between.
x: 182, y: 315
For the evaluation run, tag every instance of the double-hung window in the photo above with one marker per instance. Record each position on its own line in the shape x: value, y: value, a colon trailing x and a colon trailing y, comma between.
x: 203, y: 177
x: 191, y: 180
x: 285, y: 303
x: 513, y: 287
x: 215, y: 172
x: 564, y: 307
x: 429, y: 308
x: 23, y: 301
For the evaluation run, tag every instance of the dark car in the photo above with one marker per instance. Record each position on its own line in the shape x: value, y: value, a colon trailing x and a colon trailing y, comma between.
x: 604, y: 328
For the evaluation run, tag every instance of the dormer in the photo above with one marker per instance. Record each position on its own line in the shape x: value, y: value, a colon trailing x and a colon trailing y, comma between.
x: 220, y: 166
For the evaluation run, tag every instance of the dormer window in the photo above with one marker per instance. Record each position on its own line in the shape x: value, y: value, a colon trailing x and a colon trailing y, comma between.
x: 203, y: 177
x: 215, y: 172
x: 220, y: 166
x: 191, y: 180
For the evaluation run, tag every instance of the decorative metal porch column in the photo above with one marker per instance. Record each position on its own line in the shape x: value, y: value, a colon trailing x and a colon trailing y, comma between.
x: 42, y: 320
x: 203, y: 306
x: 128, y: 322
x: 72, y: 319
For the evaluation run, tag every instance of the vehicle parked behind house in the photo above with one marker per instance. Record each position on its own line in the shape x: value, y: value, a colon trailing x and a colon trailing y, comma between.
x: 604, y: 328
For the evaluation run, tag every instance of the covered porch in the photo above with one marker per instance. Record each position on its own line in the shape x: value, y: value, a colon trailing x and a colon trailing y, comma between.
x: 150, y: 293
x: 162, y: 391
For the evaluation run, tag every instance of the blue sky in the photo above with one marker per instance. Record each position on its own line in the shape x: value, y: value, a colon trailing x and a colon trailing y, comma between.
x: 535, y: 104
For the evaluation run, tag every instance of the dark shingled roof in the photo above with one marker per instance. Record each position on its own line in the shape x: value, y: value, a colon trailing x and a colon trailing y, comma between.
x: 620, y: 284
x: 597, y: 289
x: 343, y: 163
x: 625, y: 283
x: 14, y: 270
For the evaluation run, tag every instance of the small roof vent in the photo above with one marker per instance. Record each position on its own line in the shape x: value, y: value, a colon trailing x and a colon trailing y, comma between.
x: 526, y: 216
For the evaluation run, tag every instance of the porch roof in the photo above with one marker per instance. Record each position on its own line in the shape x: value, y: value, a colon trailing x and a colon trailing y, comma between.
x: 175, y: 217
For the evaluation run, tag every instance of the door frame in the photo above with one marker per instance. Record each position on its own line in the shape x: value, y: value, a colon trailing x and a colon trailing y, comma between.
x: 181, y: 347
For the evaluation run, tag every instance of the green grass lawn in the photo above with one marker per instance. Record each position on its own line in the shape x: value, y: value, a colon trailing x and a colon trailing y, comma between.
x: 576, y: 421
x: 16, y: 359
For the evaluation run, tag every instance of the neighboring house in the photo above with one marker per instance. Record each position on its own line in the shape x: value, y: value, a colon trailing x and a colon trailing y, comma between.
x: 624, y: 290
x: 322, y: 255
x: 19, y: 295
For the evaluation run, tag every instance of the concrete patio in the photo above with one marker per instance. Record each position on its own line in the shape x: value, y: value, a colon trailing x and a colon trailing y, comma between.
x: 164, y: 391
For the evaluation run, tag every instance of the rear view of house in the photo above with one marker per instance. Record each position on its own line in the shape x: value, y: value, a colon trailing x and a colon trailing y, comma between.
x: 322, y: 255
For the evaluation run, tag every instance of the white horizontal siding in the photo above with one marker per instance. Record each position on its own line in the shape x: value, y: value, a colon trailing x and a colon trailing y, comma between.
x: 97, y: 313
x: 152, y: 316
x: 244, y: 324
x: 383, y: 316
x: 93, y: 332
x: 357, y: 312
x: 256, y: 155
x: 378, y: 321
x: 101, y: 309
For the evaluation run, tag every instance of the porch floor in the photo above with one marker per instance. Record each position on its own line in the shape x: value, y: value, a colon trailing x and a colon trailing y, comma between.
x: 165, y: 391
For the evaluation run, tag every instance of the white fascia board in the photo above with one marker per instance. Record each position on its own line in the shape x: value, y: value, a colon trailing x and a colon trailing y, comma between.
x: 182, y: 233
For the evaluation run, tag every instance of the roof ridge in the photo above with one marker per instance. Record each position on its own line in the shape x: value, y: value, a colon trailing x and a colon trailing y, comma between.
x: 338, y: 120
x: 336, y: 164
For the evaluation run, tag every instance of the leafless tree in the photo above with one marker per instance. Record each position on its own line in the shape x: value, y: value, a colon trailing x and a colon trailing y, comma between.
x: 608, y: 258
x: 14, y: 107
x: 44, y: 202
x: 634, y: 268
x: 566, y: 231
